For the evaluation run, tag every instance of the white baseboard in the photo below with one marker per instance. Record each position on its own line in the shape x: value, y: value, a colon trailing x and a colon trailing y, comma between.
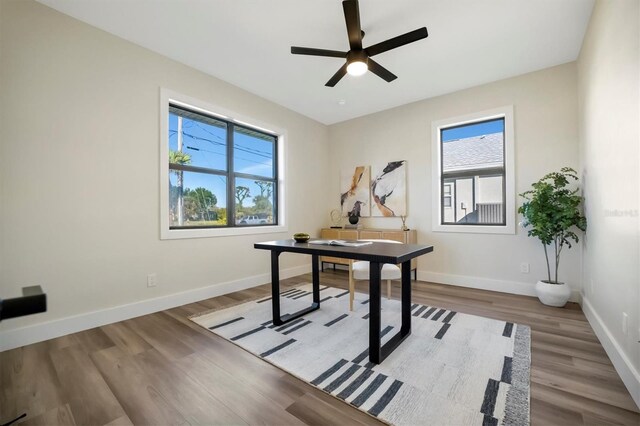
x: 27, y: 335
x: 621, y: 362
x: 512, y: 287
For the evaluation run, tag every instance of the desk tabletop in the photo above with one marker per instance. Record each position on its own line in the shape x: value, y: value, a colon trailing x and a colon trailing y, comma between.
x: 375, y: 252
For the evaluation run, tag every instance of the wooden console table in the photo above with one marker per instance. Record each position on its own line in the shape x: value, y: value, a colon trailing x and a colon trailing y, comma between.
x: 406, y: 237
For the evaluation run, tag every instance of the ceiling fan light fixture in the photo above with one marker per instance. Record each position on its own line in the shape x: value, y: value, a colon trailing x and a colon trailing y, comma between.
x: 357, y: 68
x: 357, y: 62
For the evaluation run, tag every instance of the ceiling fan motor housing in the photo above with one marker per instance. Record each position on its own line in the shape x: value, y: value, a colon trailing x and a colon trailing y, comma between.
x: 357, y: 56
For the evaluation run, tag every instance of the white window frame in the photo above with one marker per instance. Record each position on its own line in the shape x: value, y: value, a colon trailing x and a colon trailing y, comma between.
x: 170, y: 97
x: 509, y: 227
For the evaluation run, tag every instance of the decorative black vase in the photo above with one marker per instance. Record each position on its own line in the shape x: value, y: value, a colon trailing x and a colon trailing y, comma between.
x: 353, y: 219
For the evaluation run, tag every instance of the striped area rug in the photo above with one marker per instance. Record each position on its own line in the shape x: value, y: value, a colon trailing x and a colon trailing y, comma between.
x: 454, y: 369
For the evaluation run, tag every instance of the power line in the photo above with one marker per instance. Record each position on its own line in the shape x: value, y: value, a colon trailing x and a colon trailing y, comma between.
x: 246, y: 147
x: 252, y: 151
x: 218, y: 153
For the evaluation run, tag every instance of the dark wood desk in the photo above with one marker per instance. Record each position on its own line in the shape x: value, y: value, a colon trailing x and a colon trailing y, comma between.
x: 376, y: 254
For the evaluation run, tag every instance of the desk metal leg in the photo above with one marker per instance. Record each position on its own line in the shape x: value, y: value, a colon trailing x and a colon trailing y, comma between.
x: 377, y: 354
x: 315, y: 274
x: 275, y: 290
x: 374, y: 312
x: 406, y: 299
x: 275, y: 286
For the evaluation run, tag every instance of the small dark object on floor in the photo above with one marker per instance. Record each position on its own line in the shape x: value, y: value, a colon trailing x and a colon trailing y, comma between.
x: 23, y: 415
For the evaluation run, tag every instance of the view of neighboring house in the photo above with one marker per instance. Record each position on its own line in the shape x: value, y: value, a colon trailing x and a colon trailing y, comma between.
x: 473, y: 179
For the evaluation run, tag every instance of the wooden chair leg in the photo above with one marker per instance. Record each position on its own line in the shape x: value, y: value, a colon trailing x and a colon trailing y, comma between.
x: 388, y: 289
x: 352, y: 286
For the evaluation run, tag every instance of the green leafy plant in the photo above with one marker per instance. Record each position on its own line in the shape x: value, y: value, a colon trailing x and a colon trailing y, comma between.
x: 552, y: 212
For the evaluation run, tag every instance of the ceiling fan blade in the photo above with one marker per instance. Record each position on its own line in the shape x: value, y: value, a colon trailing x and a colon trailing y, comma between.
x: 381, y: 71
x: 352, y: 18
x: 317, y: 52
x: 398, y: 41
x: 337, y: 76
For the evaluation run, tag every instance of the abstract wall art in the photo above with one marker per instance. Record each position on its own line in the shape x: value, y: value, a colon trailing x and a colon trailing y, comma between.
x: 389, y: 189
x: 354, y: 191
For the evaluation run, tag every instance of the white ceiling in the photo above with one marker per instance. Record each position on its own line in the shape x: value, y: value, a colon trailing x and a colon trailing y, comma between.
x: 247, y: 43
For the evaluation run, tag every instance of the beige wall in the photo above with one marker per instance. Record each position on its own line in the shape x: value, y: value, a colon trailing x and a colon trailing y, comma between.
x: 79, y: 132
x: 609, y: 74
x: 545, y: 116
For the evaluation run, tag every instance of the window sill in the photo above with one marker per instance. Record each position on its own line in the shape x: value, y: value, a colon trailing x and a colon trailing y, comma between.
x: 179, y: 234
x: 508, y: 229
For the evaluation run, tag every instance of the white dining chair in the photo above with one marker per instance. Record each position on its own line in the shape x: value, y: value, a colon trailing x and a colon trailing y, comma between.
x: 359, y: 270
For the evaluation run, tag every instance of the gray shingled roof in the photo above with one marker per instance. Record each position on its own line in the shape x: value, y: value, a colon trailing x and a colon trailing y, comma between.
x: 478, y: 152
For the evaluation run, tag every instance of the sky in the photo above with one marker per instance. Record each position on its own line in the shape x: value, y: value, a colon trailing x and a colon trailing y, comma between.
x: 207, y: 146
x: 471, y: 130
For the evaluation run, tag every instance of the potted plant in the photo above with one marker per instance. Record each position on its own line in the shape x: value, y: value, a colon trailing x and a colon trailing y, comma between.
x: 552, y: 212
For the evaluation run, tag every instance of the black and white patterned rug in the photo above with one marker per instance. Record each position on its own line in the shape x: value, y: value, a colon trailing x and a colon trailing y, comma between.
x: 454, y: 369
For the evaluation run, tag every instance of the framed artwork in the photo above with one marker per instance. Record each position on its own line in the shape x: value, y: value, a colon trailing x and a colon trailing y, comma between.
x: 389, y: 189
x: 354, y: 191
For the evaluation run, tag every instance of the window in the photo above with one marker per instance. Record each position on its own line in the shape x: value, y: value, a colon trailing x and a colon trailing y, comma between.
x: 447, y: 195
x: 474, y: 181
x: 219, y: 175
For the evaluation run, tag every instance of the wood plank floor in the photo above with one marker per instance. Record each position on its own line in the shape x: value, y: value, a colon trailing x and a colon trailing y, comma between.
x: 164, y: 369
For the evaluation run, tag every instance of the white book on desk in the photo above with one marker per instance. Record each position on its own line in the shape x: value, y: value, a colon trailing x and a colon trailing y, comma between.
x: 342, y: 243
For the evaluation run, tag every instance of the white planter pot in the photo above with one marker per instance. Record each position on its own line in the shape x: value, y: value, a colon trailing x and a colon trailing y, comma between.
x: 553, y: 294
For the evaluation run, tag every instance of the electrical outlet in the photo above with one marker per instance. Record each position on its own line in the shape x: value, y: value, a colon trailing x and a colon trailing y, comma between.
x: 524, y: 267
x: 152, y: 280
x: 625, y: 323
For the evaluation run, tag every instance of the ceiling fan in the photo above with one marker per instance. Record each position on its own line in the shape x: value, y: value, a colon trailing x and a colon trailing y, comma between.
x: 359, y: 59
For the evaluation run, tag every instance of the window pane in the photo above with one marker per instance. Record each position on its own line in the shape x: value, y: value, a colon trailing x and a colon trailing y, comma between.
x: 476, y: 200
x: 253, y: 152
x: 489, y: 199
x: 448, y: 212
x: 464, y: 200
x: 473, y: 173
x: 204, y: 140
x: 473, y: 130
x: 254, y: 202
x: 197, y: 199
